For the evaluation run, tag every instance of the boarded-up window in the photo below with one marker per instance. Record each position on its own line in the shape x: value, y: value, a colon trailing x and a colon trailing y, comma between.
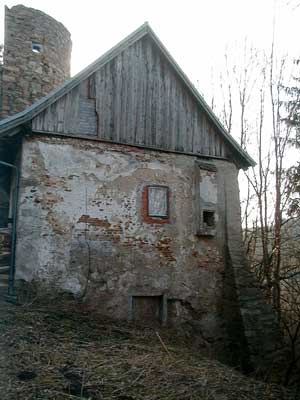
x: 149, y: 309
x: 158, y: 201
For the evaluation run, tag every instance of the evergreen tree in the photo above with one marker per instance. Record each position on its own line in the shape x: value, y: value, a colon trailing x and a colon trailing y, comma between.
x: 292, y: 120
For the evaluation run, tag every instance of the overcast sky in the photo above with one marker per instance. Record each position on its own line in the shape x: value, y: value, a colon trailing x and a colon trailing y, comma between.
x: 195, y: 32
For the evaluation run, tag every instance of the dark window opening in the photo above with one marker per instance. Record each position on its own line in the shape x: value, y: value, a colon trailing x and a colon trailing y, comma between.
x: 36, y: 47
x: 209, y: 218
x: 158, y: 201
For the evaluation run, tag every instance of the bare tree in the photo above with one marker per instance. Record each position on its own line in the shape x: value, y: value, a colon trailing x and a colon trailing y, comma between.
x: 253, y: 96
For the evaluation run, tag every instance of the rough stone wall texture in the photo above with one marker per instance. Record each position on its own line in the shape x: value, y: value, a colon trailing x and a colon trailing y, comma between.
x: 27, y: 75
x: 81, y: 227
x: 261, y: 328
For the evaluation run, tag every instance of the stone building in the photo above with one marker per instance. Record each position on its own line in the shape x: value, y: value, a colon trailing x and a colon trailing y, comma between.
x: 121, y: 189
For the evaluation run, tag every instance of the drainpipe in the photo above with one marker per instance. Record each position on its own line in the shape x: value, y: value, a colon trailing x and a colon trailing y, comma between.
x: 11, y: 289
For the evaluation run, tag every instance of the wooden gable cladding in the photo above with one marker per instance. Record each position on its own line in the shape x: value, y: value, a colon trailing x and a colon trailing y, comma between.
x: 73, y: 114
x: 136, y: 98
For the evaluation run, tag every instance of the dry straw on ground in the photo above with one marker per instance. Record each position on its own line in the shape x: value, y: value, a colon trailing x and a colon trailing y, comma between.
x: 69, y: 354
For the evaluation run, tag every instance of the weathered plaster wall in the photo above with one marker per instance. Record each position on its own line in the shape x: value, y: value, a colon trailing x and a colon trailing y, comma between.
x: 81, y: 229
x: 27, y: 75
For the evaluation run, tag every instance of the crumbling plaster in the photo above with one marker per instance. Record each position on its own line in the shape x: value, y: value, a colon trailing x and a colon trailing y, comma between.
x: 80, y: 228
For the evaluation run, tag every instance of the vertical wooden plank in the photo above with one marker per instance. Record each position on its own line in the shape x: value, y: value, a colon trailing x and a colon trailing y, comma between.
x: 220, y: 147
x: 190, y: 121
x: 145, y: 99
x: 91, y: 87
x: 173, y: 115
x: 148, y: 94
x: 47, y: 120
x: 60, y: 115
x: 180, y: 121
x: 112, y: 94
x: 131, y: 93
x: 124, y: 98
x: 210, y: 139
x: 152, y: 132
x: 143, y: 93
x: 140, y: 82
x: 186, y: 132
x: 165, y: 110
x: 153, y: 114
x: 37, y: 122
x: 158, y: 83
x: 195, y: 133
x: 202, y: 134
x: 109, y: 103
x: 105, y: 100
x: 99, y: 101
x: 84, y: 89
x: 73, y: 117
x: 205, y: 135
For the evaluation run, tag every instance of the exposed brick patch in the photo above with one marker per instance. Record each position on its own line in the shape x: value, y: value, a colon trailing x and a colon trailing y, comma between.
x: 95, y: 221
x: 164, y: 247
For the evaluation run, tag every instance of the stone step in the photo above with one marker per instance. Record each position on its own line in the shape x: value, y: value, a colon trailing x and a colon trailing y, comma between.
x: 4, y: 258
x: 5, y: 231
x: 5, y: 253
x: 4, y: 269
x: 5, y: 239
x: 3, y: 284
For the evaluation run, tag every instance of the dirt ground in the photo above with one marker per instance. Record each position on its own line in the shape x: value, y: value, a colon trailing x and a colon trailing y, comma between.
x: 55, y: 353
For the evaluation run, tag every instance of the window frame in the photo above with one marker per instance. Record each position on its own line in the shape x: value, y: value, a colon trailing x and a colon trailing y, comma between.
x: 145, y: 205
x: 166, y: 188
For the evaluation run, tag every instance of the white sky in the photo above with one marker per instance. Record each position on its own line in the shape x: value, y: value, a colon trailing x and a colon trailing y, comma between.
x: 195, y: 32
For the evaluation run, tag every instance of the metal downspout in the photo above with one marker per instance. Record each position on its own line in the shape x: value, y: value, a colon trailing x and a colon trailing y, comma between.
x: 11, y: 288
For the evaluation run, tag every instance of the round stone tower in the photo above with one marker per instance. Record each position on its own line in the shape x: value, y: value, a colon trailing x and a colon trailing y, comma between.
x: 37, y: 53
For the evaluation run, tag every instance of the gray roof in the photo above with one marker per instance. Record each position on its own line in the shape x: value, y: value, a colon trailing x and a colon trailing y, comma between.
x: 13, y: 124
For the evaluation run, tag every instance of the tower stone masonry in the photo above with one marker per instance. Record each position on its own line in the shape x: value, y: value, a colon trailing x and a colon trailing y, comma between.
x: 37, y: 53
